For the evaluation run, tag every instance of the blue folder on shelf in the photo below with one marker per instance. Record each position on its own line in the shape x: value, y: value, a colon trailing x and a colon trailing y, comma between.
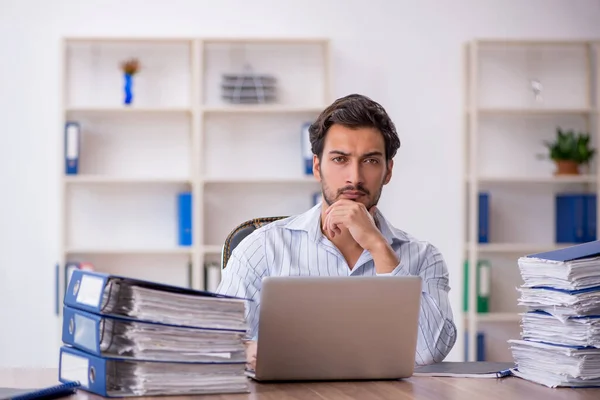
x: 49, y: 392
x: 484, y: 217
x: 184, y: 218
x: 575, y: 217
x: 72, y: 147
x: 590, y: 214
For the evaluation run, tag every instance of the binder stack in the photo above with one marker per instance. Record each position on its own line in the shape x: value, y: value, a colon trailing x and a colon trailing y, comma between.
x: 560, y: 335
x: 124, y: 337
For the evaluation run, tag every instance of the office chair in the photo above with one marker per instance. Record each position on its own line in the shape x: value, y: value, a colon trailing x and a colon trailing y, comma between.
x: 240, y: 232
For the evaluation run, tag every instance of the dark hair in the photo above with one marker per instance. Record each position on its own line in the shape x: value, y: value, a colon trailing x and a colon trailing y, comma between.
x: 354, y: 111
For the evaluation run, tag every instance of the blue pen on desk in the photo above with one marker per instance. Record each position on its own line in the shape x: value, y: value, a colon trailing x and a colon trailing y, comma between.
x: 504, y: 374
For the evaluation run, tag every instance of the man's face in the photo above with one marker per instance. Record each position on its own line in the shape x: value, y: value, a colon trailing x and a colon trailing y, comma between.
x: 353, y: 165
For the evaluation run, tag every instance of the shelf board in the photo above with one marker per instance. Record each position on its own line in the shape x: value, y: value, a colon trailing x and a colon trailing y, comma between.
x: 130, y: 110
x: 212, y: 249
x: 131, y: 251
x: 226, y: 180
x: 534, y: 42
x: 533, y: 111
x: 536, y: 180
x: 127, y: 40
x: 110, y: 180
x: 261, y: 109
x: 265, y: 40
x: 496, y: 317
x: 519, y: 248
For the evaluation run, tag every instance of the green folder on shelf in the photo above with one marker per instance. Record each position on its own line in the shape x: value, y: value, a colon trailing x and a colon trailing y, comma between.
x: 482, y: 284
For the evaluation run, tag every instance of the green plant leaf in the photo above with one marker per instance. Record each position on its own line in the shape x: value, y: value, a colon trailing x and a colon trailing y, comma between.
x: 569, y: 145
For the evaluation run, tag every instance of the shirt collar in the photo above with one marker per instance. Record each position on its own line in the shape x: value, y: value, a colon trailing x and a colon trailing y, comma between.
x: 310, y: 222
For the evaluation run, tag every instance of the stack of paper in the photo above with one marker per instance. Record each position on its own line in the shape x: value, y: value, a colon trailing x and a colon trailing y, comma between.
x: 554, y: 365
x: 178, y: 308
x: 570, y: 331
x: 560, y: 336
x: 127, y: 337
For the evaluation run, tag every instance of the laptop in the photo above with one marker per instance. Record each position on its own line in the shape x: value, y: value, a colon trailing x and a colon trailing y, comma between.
x: 337, y: 328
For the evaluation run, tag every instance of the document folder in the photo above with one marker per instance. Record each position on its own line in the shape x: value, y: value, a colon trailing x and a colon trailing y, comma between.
x: 571, y: 268
x: 457, y: 369
x: 571, y: 253
x: 123, y: 337
x: 560, y: 330
x: 111, y: 377
x: 46, y: 393
x: 72, y: 147
x: 112, y: 295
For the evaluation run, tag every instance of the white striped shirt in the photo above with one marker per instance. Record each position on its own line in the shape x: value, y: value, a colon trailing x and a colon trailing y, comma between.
x: 296, y: 246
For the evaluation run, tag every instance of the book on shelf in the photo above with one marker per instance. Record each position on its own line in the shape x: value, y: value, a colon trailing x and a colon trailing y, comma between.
x: 560, y: 336
x: 479, y: 346
x: 483, y: 210
x: 130, y: 337
x: 184, y: 218
x: 307, y: 156
x: 72, y: 147
x: 575, y: 217
x: 482, y: 285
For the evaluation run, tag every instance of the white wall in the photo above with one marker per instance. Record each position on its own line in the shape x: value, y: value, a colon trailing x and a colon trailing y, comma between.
x: 405, y: 54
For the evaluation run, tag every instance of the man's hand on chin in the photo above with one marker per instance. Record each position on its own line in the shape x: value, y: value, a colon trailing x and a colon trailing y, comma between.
x: 251, y: 355
x: 360, y: 223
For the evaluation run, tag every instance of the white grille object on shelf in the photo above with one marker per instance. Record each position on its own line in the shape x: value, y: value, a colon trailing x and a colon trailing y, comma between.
x: 249, y: 88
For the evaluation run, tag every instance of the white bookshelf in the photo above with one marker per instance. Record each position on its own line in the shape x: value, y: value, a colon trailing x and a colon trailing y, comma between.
x: 240, y: 161
x: 504, y: 131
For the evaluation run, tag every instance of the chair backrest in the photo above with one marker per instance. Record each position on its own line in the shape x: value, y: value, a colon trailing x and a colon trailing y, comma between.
x: 240, y: 232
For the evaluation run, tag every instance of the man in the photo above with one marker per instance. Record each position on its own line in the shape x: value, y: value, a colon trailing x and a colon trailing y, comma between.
x: 353, y: 143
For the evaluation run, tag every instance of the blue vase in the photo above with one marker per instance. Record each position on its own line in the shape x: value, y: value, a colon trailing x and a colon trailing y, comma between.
x: 128, y: 88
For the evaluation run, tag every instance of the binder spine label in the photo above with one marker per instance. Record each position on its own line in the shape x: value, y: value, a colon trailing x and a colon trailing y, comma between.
x: 484, y: 280
x: 90, y: 290
x: 74, y: 368
x: 85, y: 333
x: 72, y: 137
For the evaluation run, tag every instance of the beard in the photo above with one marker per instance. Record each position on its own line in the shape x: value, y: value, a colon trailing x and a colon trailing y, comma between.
x: 331, y: 195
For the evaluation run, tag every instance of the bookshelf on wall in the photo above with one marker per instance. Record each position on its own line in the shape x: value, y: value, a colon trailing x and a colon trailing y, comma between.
x: 181, y: 134
x: 517, y: 94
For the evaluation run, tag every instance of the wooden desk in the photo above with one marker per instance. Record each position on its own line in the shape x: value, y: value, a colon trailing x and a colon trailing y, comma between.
x: 413, y: 388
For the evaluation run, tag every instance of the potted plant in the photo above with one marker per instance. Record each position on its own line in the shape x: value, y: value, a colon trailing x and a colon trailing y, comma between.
x: 570, y: 150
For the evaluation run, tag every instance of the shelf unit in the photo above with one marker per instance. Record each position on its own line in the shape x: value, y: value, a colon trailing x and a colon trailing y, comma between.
x: 239, y: 161
x: 505, y: 125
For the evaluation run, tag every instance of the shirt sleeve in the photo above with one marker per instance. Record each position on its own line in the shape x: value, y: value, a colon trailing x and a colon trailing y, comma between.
x: 242, y: 278
x: 437, y: 331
